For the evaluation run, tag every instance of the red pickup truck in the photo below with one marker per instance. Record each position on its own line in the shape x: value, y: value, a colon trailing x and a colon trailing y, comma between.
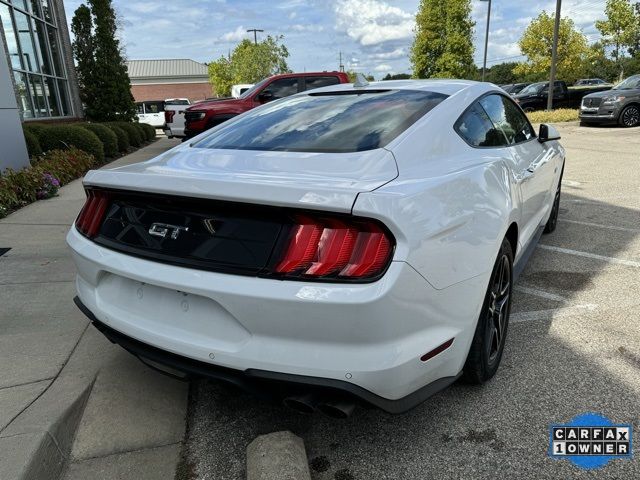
x: 205, y: 115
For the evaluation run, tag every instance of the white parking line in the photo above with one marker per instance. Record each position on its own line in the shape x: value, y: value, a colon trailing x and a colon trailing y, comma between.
x: 599, y: 225
x: 521, y: 317
x: 540, y: 293
x: 571, y: 183
x: 620, y: 261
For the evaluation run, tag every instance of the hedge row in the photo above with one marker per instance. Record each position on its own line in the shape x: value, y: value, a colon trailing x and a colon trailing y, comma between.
x: 99, y: 139
x: 42, y: 179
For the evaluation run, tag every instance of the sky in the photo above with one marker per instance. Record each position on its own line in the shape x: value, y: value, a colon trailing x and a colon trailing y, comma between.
x: 374, y: 36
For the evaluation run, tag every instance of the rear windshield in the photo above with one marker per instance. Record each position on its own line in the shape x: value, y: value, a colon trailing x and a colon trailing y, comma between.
x: 177, y: 101
x: 344, y: 121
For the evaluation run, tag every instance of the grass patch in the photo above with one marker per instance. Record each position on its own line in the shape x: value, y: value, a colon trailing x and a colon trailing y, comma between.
x: 554, y: 116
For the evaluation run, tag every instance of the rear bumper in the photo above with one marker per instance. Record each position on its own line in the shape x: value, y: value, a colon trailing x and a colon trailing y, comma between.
x: 368, y: 336
x: 262, y: 383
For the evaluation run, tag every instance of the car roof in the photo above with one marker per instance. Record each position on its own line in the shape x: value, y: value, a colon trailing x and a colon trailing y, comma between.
x: 307, y: 74
x: 444, y: 86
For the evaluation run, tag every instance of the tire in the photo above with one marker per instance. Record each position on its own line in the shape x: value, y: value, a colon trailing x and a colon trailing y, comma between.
x: 555, y: 208
x: 491, y: 331
x: 630, y: 116
x: 528, y: 109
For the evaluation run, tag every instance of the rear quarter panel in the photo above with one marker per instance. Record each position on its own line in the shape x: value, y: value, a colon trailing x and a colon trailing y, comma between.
x: 451, y: 205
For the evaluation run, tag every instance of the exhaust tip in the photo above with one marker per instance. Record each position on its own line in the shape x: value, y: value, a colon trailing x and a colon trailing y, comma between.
x: 339, y: 410
x: 303, y: 404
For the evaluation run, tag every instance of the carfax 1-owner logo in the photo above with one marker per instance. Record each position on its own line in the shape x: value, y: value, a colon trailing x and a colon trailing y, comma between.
x: 590, y: 440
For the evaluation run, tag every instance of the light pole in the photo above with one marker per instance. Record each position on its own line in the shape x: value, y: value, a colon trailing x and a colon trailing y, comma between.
x: 486, y: 39
x: 554, y: 56
x: 255, y: 34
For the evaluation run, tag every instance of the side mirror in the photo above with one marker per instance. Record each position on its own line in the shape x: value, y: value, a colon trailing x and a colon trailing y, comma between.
x: 265, y: 96
x: 547, y: 133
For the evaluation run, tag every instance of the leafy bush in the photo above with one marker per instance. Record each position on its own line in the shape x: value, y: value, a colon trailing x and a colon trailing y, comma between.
x: 106, y: 136
x: 35, y: 128
x: 42, y: 179
x: 554, y: 116
x: 141, y: 131
x: 135, y: 139
x: 121, y: 135
x: 33, y: 145
x: 58, y: 137
x: 149, y: 130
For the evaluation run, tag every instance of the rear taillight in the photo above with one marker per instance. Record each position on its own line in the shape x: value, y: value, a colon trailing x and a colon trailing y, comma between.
x: 335, y: 248
x: 168, y: 116
x: 91, y: 216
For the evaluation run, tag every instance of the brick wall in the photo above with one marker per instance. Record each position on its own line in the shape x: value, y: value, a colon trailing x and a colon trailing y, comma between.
x: 192, y: 91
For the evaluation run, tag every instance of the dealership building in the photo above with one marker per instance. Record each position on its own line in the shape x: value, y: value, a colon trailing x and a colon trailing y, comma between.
x: 170, y: 78
x: 37, y: 75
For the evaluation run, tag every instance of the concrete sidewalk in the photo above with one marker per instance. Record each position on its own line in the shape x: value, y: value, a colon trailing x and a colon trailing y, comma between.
x: 54, y: 364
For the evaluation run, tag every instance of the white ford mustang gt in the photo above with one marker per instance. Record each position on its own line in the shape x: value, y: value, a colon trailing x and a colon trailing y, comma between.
x: 350, y: 244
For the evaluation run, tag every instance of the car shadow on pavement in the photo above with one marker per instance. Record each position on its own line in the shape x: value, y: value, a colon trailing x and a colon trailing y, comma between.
x: 573, y: 347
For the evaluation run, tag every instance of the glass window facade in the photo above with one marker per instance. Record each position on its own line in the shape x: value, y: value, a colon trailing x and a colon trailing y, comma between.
x: 33, y: 43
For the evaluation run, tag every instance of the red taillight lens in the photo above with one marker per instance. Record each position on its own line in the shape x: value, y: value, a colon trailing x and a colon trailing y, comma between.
x: 168, y: 116
x: 92, y: 214
x: 337, y: 248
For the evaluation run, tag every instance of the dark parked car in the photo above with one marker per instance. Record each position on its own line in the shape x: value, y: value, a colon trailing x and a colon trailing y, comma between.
x: 208, y: 114
x: 619, y: 105
x: 514, y: 88
x: 584, y: 82
x: 534, y: 97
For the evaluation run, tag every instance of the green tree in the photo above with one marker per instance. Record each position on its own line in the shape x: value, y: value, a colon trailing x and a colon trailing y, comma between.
x: 249, y: 63
x: 351, y: 75
x: 396, y: 76
x: 536, y: 44
x: 620, y: 29
x: 83, y: 48
x: 598, y: 64
x: 105, y: 84
x: 502, y: 73
x: 443, y: 45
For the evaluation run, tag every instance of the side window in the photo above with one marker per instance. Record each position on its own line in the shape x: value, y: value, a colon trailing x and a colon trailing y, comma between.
x: 508, y: 118
x: 475, y: 127
x: 139, y: 108
x: 283, y: 87
x: 519, y: 122
x: 153, y: 107
x: 317, y: 82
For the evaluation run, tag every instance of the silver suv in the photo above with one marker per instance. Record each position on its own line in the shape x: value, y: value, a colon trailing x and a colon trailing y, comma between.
x: 619, y: 105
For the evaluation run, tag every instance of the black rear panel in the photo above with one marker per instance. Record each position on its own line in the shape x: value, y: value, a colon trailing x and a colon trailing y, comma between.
x: 204, y: 234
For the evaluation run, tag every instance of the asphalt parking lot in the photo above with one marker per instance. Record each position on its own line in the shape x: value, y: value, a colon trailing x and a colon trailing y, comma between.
x: 573, y: 347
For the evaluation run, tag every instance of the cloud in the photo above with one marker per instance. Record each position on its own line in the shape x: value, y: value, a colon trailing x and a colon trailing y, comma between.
x: 383, y: 67
x: 307, y: 28
x: 370, y: 22
x: 238, y: 34
x: 392, y: 55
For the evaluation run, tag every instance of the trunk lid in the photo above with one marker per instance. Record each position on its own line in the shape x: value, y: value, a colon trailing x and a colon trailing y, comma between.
x: 323, y: 181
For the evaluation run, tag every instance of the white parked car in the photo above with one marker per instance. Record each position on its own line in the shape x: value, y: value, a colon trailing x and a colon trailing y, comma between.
x: 151, y: 112
x: 237, y: 90
x: 174, y: 116
x: 347, y: 244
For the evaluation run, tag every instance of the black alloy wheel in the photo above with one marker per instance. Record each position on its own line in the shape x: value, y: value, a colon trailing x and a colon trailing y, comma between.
x: 555, y: 208
x: 630, y: 116
x: 491, y: 331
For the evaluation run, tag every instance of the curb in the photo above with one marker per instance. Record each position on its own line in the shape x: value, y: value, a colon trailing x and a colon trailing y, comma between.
x: 37, y: 444
x: 277, y: 456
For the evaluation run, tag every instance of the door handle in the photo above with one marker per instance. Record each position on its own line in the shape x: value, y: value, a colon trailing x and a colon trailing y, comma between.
x: 524, y: 175
x: 536, y: 165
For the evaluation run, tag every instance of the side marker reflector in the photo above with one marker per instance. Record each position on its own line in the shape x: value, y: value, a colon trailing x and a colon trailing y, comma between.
x: 437, y: 350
